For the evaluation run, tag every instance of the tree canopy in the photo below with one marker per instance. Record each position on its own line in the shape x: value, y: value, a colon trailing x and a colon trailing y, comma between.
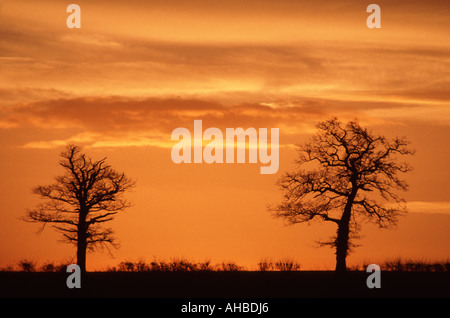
x: 89, y: 194
x: 344, y: 172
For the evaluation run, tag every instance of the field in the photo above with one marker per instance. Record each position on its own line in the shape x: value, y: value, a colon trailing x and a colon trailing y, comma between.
x: 231, y: 284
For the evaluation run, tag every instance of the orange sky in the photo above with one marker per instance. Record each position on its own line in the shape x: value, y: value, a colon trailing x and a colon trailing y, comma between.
x: 136, y: 70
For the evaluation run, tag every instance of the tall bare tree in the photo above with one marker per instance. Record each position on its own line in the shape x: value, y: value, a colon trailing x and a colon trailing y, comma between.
x: 345, y: 172
x: 89, y: 194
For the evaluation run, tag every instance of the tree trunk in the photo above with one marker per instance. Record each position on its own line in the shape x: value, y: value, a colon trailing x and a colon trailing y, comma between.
x: 343, y: 232
x: 342, y: 246
x: 81, y: 253
x: 82, y: 237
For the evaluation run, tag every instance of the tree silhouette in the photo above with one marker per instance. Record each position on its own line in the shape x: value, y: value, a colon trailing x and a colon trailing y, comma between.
x: 89, y: 194
x: 345, y: 172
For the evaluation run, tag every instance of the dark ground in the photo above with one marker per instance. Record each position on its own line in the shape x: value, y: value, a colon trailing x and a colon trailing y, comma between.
x: 282, y: 294
x: 302, y: 284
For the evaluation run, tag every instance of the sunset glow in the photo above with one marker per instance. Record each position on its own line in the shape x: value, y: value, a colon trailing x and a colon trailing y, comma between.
x: 136, y: 70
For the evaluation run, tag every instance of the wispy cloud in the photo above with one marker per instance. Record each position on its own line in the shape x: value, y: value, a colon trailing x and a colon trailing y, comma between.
x: 97, y: 61
x: 97, y: 140
x: 429, y: 207
x: 116, y: 121
x: 269, y: 74
x: 104, y: 121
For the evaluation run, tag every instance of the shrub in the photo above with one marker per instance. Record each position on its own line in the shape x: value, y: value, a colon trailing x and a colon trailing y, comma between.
x: 159, y: 266
x: 447, y: 266
x: 181, y: 265
x: 48, y: 267
x: 287, y: 265
x: 27, y: 266
x: 8, y: 268
x: 399, y: 265
x: 394, y: 265
x: 205, y: 266
x: 229, y: 267
x: 140, y: 266
x: 126, y: 266
x: 265, y: 265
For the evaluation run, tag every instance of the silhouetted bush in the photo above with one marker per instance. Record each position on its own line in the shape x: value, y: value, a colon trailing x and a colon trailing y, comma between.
x: 284, y: 265
x: 229, y: 267
x: 48, y: 267
x: 174, y: 265
x: 394, y: 265
x: 182, y: 265
x: 159, y: 266
x: 399, y: 265
x: 206, y: 266
x: 265, y: 265
x: 7, y: 268
x: 27, y: 266
x: 53, y: 268
x: 126, y: 266
x: 287, y: 265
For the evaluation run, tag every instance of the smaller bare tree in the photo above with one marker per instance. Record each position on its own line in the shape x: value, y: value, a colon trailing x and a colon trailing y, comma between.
x: 89, y: 194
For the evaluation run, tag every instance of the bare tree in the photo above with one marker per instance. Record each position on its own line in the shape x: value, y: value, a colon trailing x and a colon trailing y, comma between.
x: 345, y: 172
x: 89, y: 194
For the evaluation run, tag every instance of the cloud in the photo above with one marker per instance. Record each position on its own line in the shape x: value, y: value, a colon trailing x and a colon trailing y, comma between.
x: 119, y: 121
x: 116, y: 120
x: 429, y: 207
x: 103, y: 60
x: 147, y: 78
x: 97, y: 140
x: 120, y: 114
